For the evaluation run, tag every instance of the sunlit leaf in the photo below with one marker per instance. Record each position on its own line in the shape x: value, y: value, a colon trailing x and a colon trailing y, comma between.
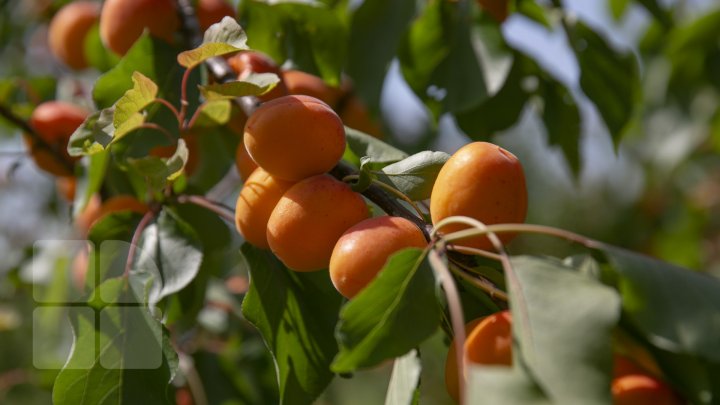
x: 253, y: 85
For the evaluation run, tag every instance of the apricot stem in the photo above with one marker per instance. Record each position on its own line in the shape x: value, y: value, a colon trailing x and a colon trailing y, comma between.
x: 170, y: 107
x: 480, y: 283
x: 522, y: 228
x: 144, y: 222
x: 183, y: 98
x: 475, y: 252
x: 390, y: 189
x: 226, y: 213
x: 456, y: 314
x: 38, y: 141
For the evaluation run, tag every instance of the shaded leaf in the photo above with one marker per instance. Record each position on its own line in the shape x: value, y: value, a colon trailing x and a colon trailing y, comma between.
x: 688, y: 301
x: 394, y: 313
x: 565, y: 336
x: 562, y: 121
x: 194, y: 57
x: 95, y: 133
x: 415, y: 176
x: 610, y: 78
x: 296, y: 314
x: 503, y: 385
x: 362, y: 145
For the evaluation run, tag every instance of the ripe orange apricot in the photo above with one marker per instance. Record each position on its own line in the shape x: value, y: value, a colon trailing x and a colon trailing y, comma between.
x: 258, y: 197
x: 68, y: 29
x: 451, y: 370
x: 299, y: 82
x: 295, y: 137
x: 640, y: 389
x: 246, y: 62
x: 123, y: 21
x: 54, y: 122
x: 210, y: 12
x: 356, y: 115
x: 310, y: 218
x: 488, y: 342
x: 362, y: 251
x: 244, y: 163
x: 481, y: 181
x: 97, y: 209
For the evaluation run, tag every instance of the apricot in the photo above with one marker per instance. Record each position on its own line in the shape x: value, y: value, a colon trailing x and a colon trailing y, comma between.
x: 123, y: 21
x: 66, y: 187
x: 640, y: 389
x: 97, y: 209
x: 295, y: 137
x: 497, y: 9
x: 356, y: 115
x: 310, y: 218
x: 244, y: 163
x: 246, y: 62
x: 302, y: 83
x: 210, y: 12
x: 258, y: 197
x: 488, y: 342
x: 362, y: 251
x: 482, y: 181
x: 68, y: 29
x: 54, y: 122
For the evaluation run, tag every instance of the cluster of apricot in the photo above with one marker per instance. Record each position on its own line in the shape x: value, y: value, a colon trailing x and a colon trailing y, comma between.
x: 289, y: 203
x: 121, y: 22
x: 636, y: 377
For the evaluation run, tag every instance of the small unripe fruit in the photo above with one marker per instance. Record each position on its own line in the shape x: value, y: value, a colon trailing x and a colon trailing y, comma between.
x: 123, y: 21
x: 639, y: 389
x: 295, y: 137
x: 362, y: 251
x: 210, y: 12
x: 258, y: 197
x: 482, y: 181
x: 310, y: 218
x: 54, y: 122
x: 488, y: 342
x: 68, y: 29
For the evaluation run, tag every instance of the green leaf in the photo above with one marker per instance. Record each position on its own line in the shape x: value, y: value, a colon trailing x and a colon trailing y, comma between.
x: 213, y: 113
x: 618, y: 8
x: 534, y: 11
x: 688, y: 301
x: 438, y: 60
x: 502, y: 110
x: 169, y: 256
x: 503, y: 386
x: 227, y: 31
x: 610, y: 78
x: 415, y: 176
x: 194, y: 57
x: 564, y: 336
x: 397, y: 311
x: 158, y: 171
x: 123, y: 355
x: 135, y: 100
x: 95, y: 133
x: 562, y: 121
x: 98, y: 56
x: 90, y: 181
x: 253, y: 85
x: 130, y: 124
x: 154, y: 58
x: 404, y: 388
x: 362, y: 144
x: 375, y: 33
x: 296, y: 314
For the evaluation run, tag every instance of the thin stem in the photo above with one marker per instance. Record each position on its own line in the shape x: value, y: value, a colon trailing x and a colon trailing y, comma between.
x: 480, y: 283
x: 388, y: 188
x: 194, y: 118
x: 456, y: 315
x: 165, y: 132
x: 225, y: 212
x: 144, y: 222
x: 197, y: 389
x: 169, y: 106
x: 518, y: 228
x: 183, y: 98
x: 475, y: 252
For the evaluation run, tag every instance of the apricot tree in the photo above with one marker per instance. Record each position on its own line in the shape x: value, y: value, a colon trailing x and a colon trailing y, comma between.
x: 249, y: 227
